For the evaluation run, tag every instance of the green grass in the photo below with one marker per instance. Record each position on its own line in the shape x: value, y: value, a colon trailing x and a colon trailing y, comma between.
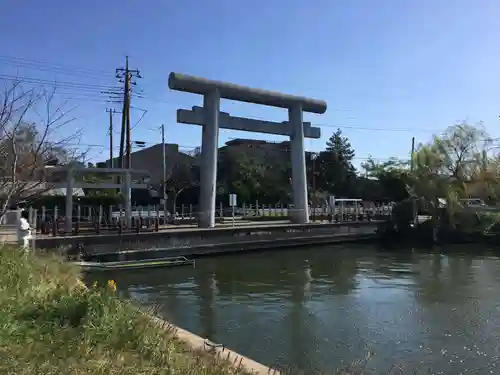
x: 51, y: 324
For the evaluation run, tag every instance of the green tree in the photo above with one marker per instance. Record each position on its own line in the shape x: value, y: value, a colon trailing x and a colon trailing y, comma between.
x: 335, y: 165
x: 391, y: 177
x: 254, y: 174
x: 247, y: 179
x: 451, y: 167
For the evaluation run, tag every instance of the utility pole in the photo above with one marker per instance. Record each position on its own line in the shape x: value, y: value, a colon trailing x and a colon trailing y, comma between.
x: 164, y: 160
x: 412, y: 168
x: 412, y: 162
x: 125, y: 75
x: 110, y: 111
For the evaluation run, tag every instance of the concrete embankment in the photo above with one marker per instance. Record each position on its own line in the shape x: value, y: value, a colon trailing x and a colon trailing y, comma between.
x: 198, y: 343
x: 197, y: 242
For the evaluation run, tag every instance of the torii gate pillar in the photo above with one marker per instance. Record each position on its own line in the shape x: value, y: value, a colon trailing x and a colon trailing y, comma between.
x: 300, y: 211
x: 209, y: 149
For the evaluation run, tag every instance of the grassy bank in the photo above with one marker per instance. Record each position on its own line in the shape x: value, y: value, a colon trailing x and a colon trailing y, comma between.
x: 51, y: 324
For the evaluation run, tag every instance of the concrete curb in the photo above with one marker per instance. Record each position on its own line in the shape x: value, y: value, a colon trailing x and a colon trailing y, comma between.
x: 196, y: 342
x: 234, y: 359
x: 249, y: 245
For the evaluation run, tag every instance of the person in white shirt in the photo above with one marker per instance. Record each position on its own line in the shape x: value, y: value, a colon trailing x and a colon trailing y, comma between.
x: 24, y: 231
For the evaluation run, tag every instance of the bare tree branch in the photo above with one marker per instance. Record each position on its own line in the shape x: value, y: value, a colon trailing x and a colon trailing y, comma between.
x: 180, y: 177
x: 26, y: 147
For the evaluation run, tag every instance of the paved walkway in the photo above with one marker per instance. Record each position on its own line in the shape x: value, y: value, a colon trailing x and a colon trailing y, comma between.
x: 184, y: 227
x: 192, y: 227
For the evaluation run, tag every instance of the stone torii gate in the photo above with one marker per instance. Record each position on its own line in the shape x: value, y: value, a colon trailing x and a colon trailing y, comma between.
x: 210, y: 117
x: 71, y: 184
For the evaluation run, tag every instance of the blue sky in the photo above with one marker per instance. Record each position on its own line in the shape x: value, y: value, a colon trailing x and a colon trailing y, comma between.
x: 389, y: 69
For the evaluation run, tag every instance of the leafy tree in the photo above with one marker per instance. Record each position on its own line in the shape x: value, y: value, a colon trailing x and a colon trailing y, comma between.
x: 457, y: 160
x: 452, y: 167
x: 247, y: 180
x: 340, y: 146
x: 276, y: 186
x: 254, y: 174
x: 457, y: 154
x: 335, y: 165
x: 391, y: 178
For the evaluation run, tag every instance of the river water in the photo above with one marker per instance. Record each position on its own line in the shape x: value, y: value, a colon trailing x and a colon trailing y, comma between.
x: 435, y: 311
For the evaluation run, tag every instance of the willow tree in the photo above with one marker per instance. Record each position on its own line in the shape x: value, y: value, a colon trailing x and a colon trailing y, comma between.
x: 452, y: 167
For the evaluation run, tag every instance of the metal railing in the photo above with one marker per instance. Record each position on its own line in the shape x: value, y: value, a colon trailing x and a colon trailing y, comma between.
x: 97, y: 220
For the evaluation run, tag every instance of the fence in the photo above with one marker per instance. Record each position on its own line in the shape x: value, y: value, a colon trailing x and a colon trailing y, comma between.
x: 51, y: 221
x: 278, y: 210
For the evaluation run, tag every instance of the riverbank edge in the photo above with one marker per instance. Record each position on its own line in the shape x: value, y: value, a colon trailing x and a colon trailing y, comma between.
x: 194, y: 345
x: 226, y: 248
x: 183, y: 242
x: 197, y: 343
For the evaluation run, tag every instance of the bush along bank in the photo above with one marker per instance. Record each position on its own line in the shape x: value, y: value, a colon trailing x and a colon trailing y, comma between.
x: 50, y: 323
x: 456, y: 225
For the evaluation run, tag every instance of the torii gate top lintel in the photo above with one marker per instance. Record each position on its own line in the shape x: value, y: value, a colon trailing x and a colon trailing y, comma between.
x: 202, y: 86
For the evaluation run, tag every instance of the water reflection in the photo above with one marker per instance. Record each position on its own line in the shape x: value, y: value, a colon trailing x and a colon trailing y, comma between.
x: 322, y: 308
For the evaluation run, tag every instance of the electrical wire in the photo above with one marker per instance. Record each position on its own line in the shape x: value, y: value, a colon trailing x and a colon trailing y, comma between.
x: 52, y: 67
x: 144, y: 111
x: 57, y: 83
x: 99, y: 93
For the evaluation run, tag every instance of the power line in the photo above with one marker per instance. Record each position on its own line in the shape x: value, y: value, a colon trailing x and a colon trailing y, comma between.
x: 144, y: 111
x: 152, y: 99
x: 46, y: 66
x: 86, y: 90
x: 56, y: 82
x: 412, y: 130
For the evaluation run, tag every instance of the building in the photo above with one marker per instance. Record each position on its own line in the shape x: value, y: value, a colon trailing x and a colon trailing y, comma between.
x: 150, y: 159
x: 263, y: 152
